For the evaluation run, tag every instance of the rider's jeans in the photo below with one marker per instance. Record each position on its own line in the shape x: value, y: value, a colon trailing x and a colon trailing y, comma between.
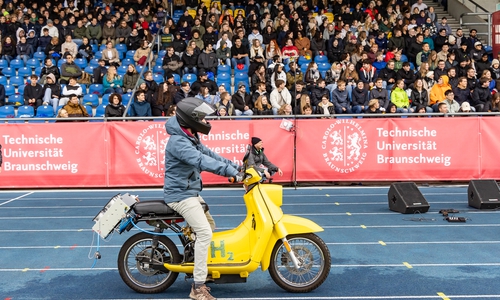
x: 202, y: 224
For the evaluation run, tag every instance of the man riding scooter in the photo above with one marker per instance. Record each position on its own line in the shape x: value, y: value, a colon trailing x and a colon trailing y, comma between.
x: 185, y: 159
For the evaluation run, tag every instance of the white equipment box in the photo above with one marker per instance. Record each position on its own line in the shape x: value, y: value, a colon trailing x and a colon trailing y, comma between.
x: 112, y: 213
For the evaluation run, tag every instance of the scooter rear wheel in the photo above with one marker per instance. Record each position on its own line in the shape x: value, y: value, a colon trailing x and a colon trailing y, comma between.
x: 134, y: 266
x: 313, y: 256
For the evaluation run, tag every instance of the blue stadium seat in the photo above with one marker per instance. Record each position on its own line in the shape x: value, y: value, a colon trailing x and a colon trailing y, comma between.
x: 303, y: 60
x: 241, y: 76
x: 7, y: 111
x: 158, y: 70
x: 20, y: 89
x: 320, y: 59
x: 139, y: 68
x: 404, y: 58
x: 324, y: 66
x: 223, y: 77
x: 94, y: 48
x: 38, y: 71
x: 96, y: 88
x: 84, y: 88
x: 33, y: 63
x: 94, y: 62
x: 303, y: 68
x: 122, y: 70
x: 130, y: 54
x: 224, y: 69
x: 17, y: 80
x: 98, y: 55
x: 128, y: 61
x: 121, y: 48
x: 100, y: 110
x: 81, y: 62
x: 158, y: 78
x: 105, y: 99
x: 16, y: 63
x: 89, y: 70
x: 89, y: 110
x: 16, y: 99
x: 189, y: 78
x: 91, y: 99
x: 25, y: 111
x: 60, y: 62
x: 40, y: 56
x: 44, y: 111
x: 177, y: 78
x: 9, y: 90
x: 25, y: 72
x: 162, y: 53
x: 3, y: 80
x: 126, y: 98
x: 4, y: 64
x: 9, y: 71
x: 102, y: 47
x: 159, y: 61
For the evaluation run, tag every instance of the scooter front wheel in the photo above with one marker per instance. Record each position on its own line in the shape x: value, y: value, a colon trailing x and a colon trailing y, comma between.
x: 137, y: 270
x: 314, y: 259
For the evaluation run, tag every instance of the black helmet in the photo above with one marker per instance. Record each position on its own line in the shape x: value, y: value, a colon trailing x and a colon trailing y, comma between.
x: 190, y: 113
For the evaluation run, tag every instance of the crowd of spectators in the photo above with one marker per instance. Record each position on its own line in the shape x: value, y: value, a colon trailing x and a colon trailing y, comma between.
x: 299, y: 57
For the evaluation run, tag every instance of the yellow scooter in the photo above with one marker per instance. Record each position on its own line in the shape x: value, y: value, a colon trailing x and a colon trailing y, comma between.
x: 297, y: 259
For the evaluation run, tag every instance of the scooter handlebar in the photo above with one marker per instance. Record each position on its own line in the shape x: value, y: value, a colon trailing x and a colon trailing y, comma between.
x: 237, y: 178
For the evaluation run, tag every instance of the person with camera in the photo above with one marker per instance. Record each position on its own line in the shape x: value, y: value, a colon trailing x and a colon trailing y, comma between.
x: 258, y: 159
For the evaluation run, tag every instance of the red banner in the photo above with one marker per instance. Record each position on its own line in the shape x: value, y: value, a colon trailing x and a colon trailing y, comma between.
x: 388, y: 149
x: 489, y: 147
x: 53, y: 155
x: 137, y: 155
x: 128, y: 154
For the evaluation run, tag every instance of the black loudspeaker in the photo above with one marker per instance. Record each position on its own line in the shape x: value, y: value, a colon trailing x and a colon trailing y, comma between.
x: 406, y: 198
x: 483, y: 194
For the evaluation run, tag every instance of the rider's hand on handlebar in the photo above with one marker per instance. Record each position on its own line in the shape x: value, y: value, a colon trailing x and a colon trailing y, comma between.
x: 237, y: 178
x: 266, y: 173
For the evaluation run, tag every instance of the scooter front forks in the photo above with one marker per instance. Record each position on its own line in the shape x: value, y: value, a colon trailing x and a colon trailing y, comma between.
x: 288, y: 248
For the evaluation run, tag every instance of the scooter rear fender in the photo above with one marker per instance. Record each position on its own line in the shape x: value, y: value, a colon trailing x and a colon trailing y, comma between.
x: 293, y: 225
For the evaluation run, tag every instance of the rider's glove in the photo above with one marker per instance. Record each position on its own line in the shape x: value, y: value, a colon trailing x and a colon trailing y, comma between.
x: 237, y: 178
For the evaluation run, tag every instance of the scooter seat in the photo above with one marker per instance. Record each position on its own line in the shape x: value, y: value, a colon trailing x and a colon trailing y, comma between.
x: 156, y: 207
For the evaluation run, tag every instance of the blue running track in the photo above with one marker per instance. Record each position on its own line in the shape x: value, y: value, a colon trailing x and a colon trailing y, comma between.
x: 46, y: 242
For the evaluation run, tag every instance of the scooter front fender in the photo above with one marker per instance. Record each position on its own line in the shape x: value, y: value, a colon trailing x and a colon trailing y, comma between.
x: 293, y: 225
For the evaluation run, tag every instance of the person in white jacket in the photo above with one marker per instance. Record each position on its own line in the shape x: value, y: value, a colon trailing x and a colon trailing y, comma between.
x: 69, y: 47
x: 53, y: 31
x: 72, y: 88
x: 280, y: 96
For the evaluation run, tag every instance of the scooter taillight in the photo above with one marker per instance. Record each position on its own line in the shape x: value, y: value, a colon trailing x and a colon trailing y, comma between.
x: 170, y: 221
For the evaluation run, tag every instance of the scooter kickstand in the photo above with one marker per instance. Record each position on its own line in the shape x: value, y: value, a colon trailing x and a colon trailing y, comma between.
x: 290, y: 252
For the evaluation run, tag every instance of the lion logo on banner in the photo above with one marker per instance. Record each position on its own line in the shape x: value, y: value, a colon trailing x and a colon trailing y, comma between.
x: 344, y: 144
x: 150, y: 150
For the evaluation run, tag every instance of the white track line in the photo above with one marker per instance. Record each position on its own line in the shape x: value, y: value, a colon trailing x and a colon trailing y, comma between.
x: 3, y: 203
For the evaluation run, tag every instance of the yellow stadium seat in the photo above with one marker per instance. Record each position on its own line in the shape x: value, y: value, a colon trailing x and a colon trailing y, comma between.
x: 315, y: 15
x: 207, y: 3
x: 329, y: 16
x: 192, y: 12
x: 230, y: 11
x: 236, y: 11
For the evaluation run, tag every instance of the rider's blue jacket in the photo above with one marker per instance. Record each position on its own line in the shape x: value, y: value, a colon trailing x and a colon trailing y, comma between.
x: 185, y: 158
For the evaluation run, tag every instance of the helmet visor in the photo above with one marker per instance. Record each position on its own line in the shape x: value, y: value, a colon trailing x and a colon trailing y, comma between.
x: 201, y: 111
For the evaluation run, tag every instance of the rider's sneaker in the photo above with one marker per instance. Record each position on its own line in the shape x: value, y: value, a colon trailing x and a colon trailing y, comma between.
x: 201, y: 293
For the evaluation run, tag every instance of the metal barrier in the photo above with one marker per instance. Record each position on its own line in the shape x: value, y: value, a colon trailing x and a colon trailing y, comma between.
x: 256, y: 118
x: 488, y: 24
